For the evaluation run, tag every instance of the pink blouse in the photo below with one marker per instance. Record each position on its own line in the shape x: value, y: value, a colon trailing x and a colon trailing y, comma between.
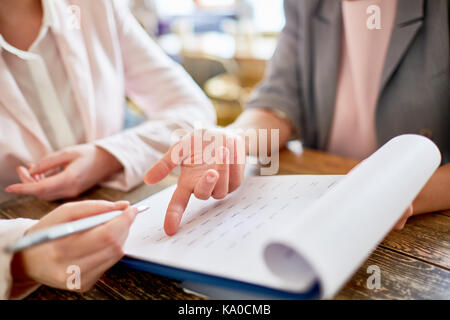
x: 364, y: 48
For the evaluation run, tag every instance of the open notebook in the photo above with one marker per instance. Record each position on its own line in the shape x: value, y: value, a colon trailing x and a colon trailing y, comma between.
x: 297, y: 236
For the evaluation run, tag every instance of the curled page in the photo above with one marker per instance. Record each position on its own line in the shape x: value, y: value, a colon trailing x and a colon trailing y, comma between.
x: 338, y: 232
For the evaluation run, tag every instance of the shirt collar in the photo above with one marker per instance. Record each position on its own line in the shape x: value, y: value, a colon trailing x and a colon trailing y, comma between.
x: 48, y: 21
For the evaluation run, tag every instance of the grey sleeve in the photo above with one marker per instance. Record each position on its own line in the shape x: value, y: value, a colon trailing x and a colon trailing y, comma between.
x: 280, y: 89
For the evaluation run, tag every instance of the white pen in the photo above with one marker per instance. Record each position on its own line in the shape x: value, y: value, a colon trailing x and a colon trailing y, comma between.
x: 64, y: 230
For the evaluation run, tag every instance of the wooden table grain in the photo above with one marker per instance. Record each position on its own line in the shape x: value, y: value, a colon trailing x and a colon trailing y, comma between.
x: 414, y: 262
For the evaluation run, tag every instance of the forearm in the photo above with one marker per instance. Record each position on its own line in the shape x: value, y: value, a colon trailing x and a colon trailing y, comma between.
x: 254, y: 119
x: 435, y: 196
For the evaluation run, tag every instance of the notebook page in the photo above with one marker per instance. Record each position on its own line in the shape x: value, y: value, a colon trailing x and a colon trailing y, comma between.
x: 339, y: 231
x: 225, y: 237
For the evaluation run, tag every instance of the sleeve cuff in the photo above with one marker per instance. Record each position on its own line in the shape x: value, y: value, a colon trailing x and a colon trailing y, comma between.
x: 135, y: 156
x: 281, y: 108
x: 11, y: 230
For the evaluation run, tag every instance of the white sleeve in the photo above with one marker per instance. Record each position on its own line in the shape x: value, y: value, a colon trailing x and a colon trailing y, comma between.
x: 168, y: 95
x: 11, y: 230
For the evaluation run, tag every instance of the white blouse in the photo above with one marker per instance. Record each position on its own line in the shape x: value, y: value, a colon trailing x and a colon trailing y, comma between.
x: 40, y: 74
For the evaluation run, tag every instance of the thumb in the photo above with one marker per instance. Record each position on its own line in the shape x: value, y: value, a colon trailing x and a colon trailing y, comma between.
x: 78, y: 210
x: 164, y: 166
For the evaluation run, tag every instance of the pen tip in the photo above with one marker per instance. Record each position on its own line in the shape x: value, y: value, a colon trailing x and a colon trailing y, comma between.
x: 142, y: 208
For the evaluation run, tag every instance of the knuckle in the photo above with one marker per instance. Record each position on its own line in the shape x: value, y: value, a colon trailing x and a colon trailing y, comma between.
x: 112, y: 242
x: 219, y: 195
x: 108, y: 238
x: 55, y: 254
x: 233, y: 187
x: 201, y: 195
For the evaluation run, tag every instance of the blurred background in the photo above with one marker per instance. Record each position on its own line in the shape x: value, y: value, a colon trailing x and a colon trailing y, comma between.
x: 223, y: 44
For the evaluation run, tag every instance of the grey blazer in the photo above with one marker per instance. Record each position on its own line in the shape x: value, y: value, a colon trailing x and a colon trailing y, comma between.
x: 414, y: 94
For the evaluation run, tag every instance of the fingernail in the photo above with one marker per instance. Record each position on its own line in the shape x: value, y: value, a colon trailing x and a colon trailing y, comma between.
x: 10, y: 188
x: 142, y: 208
x: 121, y: 203
x: 210, y: 177
x: 171, y: 223
x: 134, y: 210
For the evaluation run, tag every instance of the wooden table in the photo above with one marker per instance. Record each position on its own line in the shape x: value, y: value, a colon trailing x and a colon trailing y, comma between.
x: 414, y: 262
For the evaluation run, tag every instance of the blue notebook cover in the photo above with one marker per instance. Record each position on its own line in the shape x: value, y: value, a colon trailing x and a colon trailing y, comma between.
x: 210, y: 280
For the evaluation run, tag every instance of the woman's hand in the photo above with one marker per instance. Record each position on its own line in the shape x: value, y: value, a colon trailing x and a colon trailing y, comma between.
x: 212, y: 165
x: 402, y: 221
x: 94, y: 251
x: 66, y: 173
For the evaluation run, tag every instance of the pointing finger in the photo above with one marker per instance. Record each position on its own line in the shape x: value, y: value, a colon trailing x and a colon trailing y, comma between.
x: 175, y: 210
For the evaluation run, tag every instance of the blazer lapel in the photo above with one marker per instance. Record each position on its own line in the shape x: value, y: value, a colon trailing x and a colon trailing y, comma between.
x: 326, y: 46
x: 13, y: 100
x: 408, y: 21
x: 73, y: 52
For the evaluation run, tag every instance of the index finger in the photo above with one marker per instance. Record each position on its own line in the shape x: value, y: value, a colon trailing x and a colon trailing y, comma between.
x: 78, y: 210
x: 175, y: 210
x: 50, y: 188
